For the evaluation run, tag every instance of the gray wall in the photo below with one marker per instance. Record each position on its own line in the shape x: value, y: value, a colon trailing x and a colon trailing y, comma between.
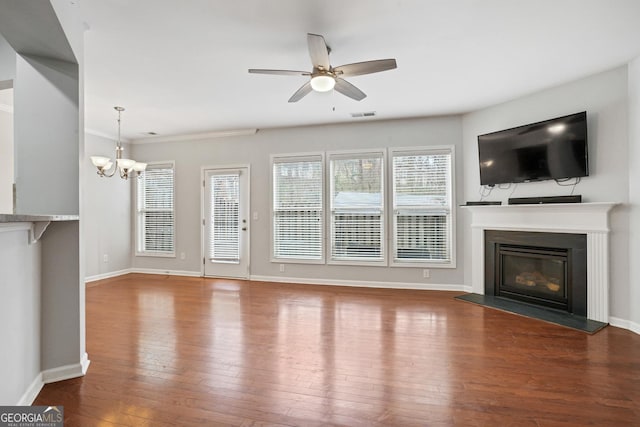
x: 62, y: 320
x: 604, y: 97
x: 46, y: 93
x: 7, y: 74
x: 106, y: 214
x: 7, y: 60
x: 634, y: 193
x: 6, y: 162
x: 255, y: 150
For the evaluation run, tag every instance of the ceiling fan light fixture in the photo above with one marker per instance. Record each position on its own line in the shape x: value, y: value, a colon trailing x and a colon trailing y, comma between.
x: 322, y: 83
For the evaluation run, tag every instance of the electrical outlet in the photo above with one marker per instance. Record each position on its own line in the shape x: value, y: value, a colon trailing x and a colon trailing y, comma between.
x: 255, y: 215
x: 281, y: 268
x: 183, y: 255
x: 426, y: 273
x: 105, y: 258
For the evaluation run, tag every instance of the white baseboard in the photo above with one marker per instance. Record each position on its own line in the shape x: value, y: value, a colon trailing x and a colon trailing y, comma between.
x: 166, y: 272
x: 142, y: 271
x: 362, y: 283
x: 107, y: 275
x: 65, y: 372
x: 84, y: 363
x: 32, y: 391
x: 52, y: 375
x: 625, y: 324
x: 307, y: 281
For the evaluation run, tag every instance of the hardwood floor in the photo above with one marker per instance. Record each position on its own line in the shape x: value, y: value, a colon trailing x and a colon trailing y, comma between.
x: 175, y: 351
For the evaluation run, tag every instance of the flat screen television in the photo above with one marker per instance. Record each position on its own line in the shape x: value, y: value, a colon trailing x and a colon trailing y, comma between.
x: 551, y: 149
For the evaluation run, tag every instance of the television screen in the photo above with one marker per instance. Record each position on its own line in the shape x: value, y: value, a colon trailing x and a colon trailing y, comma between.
x: 552, y: 149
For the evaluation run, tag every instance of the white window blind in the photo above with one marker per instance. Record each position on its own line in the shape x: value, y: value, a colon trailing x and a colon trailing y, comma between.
x: 224, y: 234
x: 357, y: 201
x: 422, y: 206
x: 297, y: 208
x: 155, y: 210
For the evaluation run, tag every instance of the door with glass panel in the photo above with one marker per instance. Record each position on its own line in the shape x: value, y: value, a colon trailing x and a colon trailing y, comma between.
x: 226, y: 222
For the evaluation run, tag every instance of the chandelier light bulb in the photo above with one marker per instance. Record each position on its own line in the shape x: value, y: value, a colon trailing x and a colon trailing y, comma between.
x: 99, y: 161
x: 139, y: 166
x: 125, y: 163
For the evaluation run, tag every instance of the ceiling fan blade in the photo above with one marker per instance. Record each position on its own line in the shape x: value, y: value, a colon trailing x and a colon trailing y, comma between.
x: 301, y: 93
x: 318, y: 51
x: 347, y: 89
x: 366, y: 67
x: 279, y: 72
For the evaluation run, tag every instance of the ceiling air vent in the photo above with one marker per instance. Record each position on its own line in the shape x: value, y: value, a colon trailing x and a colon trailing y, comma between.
x: 365, y: 114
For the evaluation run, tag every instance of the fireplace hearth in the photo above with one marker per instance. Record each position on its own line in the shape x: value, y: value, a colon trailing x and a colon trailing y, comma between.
x: 539, y: 268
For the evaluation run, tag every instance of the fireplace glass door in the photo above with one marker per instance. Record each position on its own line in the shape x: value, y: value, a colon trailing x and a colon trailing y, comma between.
x: 537, y: 275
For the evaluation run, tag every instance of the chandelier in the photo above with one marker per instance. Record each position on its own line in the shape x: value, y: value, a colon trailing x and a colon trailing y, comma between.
x: 124, y: 166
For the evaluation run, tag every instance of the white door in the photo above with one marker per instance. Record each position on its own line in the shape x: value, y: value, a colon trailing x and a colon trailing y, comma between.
x: 226, y: 222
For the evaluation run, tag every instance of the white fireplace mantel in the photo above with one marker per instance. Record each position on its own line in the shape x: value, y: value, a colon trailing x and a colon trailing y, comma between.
x: 591, y: 219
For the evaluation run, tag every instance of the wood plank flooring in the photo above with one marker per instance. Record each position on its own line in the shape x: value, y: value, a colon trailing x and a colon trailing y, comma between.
x: 175, y: 351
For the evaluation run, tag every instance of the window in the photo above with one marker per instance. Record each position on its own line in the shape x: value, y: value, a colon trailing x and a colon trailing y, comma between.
x: 420, y: 205
x: 422, y: 199
x: 224, y: 236
x: 297, y: 208
x: 357, y: 201
x: 155, y: 211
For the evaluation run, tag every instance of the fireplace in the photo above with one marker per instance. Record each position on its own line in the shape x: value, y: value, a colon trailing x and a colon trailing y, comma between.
x: 590, y: 219
x: 540, y: 268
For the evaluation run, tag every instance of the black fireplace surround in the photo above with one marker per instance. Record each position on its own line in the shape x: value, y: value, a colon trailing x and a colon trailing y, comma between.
x: 544, y: 269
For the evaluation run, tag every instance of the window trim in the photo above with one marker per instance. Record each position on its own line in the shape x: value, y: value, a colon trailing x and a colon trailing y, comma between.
x: 283, y: 158
x: 355, y: 154
x: 138, y: 228
x: 434, y: 149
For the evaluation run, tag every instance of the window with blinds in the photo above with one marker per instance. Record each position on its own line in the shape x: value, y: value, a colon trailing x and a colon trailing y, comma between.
x: 224, y: 232
x: 422, y: 206
x: 297, y: 208
x: 357, y: 207
x: 155, y: 210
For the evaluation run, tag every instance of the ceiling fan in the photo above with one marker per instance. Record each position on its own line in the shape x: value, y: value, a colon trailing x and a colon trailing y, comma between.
x: 324, y: 77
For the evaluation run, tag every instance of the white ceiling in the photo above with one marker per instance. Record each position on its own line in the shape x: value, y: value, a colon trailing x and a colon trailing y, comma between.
x: 180, y: 67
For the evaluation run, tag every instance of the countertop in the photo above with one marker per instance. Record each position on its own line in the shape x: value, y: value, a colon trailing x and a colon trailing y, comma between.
x: 36, y: 218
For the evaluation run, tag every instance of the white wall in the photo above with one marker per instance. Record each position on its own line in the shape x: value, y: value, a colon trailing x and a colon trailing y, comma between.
x: 19, y: 314
x: 604, y: 97
x: 106, y: 214
x: 634, y: 193
x: 255, y: 150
